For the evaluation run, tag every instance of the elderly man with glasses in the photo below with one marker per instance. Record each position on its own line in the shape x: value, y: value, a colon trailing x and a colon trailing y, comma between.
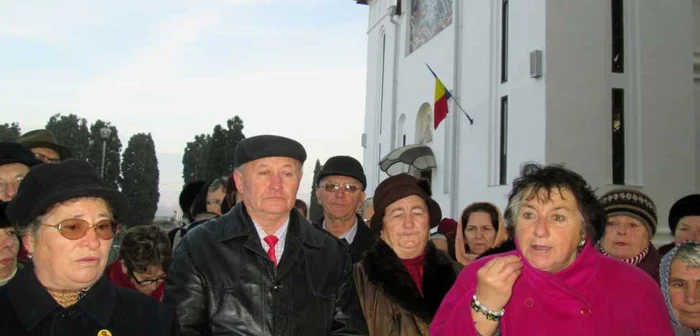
x: 44, y: 146
x: 340, y: 191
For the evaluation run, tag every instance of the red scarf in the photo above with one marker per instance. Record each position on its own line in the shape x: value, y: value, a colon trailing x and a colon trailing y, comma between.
x: 414, y: 266
x: 115, y: 275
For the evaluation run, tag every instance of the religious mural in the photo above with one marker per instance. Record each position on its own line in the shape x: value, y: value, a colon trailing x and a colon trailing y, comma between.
x: 428, y: 18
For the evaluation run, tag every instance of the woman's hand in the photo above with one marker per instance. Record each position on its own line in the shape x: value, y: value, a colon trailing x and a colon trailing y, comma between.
x: 495, y: 281
x: 461, y: 254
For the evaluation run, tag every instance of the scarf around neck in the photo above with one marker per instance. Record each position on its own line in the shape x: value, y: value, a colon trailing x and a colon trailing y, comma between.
x: 632, y: 261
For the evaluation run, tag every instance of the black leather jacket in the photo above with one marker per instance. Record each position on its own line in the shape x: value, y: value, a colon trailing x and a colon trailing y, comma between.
x: 222, y: 282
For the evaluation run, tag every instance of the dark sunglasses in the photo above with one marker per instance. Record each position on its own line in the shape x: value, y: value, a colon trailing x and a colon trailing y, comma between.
x: 76, y: 228
x: 146, y: 282
x: 333, y: 187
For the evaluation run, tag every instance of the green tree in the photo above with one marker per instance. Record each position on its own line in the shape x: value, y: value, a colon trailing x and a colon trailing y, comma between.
x: 194, y: 159
x: 112, y: 153
x: 315, y: 209
x: 217, y: 163
x: 234, y: 135
x: 9, y: 132
x: 72, y: 132
x: 140, y: 179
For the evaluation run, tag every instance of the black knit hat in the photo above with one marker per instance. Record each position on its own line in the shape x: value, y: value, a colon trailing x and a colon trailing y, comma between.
x: 4, y: 221
x: 188, y: 195
x: 262, y: 146
x: 630, y: 202
x: 48, y: 184
x: 397, y: 187
x: 686, y: 206
x: 12, y: 152
x: 343, y: 166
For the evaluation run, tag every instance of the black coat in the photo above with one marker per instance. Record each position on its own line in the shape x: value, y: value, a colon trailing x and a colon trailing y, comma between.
x: 364, y: 238
x: 26, y: 308
x: 222, y: 281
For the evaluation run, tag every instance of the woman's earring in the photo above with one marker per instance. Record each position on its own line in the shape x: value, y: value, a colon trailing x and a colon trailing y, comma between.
x: 29, y: 255
x: 582, y: 242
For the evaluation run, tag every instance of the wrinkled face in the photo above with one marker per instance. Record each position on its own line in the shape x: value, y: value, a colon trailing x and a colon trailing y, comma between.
x: 46, y: 155
x: 66, y: 264
x: 625, y: 237
x: 341, y: 203
x: 684, y: 291
x: 405, y: 226
x: 214, y: 200
x: 479, y: 232
x: 269, y: 186
x: 688, y: 229
x: 9, y: 246
x: 548, y: 231
x: 148, y: 281
x: 11, y: 175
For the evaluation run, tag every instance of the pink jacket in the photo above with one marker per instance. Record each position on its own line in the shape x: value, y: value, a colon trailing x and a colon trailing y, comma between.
x: 596, y: 295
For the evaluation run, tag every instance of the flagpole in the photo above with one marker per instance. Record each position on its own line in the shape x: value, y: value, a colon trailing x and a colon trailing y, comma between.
x: 471, y: 121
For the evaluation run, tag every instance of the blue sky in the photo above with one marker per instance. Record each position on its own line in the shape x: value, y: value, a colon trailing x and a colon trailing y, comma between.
x: 177, y: 68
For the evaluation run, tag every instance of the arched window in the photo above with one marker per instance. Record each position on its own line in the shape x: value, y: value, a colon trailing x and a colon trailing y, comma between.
x: 424, y: 124
x: 401, y: 130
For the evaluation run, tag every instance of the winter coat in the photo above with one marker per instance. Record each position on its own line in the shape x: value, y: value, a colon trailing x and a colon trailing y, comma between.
x: 26, y: 308
x: 595, y: 295
x: 390, y: 300
x: 665, y: 273
x: 222, y: 281
x: 364, y: 238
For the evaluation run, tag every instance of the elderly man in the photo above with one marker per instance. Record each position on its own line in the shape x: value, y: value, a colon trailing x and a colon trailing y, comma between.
x: 15, y: 161
x: 44, y: 146
x: 262, y: 269
x: 340, y: 190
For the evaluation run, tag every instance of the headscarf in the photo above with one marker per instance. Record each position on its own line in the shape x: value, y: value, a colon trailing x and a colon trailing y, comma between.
x: 665, y: 274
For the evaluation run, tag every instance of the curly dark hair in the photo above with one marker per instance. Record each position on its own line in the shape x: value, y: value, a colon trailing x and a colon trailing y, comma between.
x: 488, y: 208
x: 145, y: 246
x: 538, y: 181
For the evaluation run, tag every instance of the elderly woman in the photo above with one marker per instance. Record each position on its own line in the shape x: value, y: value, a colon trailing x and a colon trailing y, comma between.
x: 630, y: 224
x: 684, y: 221
x: 480, y: 229
x: 144, y: 258
x: 554, y: 283
x: 67, y: 217
x: 9, y: 246
x: 402, y: 279
x: 680, y: 281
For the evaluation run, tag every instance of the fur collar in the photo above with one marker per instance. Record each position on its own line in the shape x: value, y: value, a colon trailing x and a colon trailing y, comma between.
x: 385, y: 270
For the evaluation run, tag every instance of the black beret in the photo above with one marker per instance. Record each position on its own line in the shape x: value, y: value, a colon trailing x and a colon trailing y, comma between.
x: 686, y: 206
x: 49, y: 184
x: 343, y: 166
x: 262, y: 146
x: 4, y: 221
x: 12, y: 152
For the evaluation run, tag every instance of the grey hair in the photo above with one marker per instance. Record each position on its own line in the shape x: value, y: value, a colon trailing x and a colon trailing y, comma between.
x: 689, y: 253
x: 438, y: 235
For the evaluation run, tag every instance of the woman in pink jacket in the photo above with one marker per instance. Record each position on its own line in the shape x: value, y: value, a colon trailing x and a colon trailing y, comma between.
x: 554, y: 283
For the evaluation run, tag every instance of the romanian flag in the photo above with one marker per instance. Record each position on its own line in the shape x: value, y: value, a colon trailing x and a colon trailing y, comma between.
x: 442, y: 95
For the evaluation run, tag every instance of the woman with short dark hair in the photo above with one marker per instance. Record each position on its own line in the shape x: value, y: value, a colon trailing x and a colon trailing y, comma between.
x: 144, y: 259
x: 555, y: 282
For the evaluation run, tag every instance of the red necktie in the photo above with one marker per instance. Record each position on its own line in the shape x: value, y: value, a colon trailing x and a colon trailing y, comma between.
x: 271, y: 242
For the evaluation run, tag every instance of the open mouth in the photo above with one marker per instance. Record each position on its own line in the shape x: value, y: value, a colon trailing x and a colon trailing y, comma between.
x: 540, y: 248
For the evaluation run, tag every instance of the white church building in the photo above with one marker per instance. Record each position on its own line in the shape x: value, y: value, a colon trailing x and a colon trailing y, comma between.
x: 609, y: 88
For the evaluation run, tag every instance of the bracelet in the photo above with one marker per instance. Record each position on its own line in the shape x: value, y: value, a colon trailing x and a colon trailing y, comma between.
x: 490, y: 314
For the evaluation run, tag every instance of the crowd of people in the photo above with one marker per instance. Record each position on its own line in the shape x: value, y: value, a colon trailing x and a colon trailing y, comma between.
x: 559, y: 260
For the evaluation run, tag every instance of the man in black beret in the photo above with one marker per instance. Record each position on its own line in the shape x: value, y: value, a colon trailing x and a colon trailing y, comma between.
x: 262, y: 268
x: 340, y: 189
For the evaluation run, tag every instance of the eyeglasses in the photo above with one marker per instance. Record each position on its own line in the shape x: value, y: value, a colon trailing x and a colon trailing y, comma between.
x: 45, y: 159
x: 333, y: 187
x: 76, y: 228
x: 146, y: 282
x: 14, y: 184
